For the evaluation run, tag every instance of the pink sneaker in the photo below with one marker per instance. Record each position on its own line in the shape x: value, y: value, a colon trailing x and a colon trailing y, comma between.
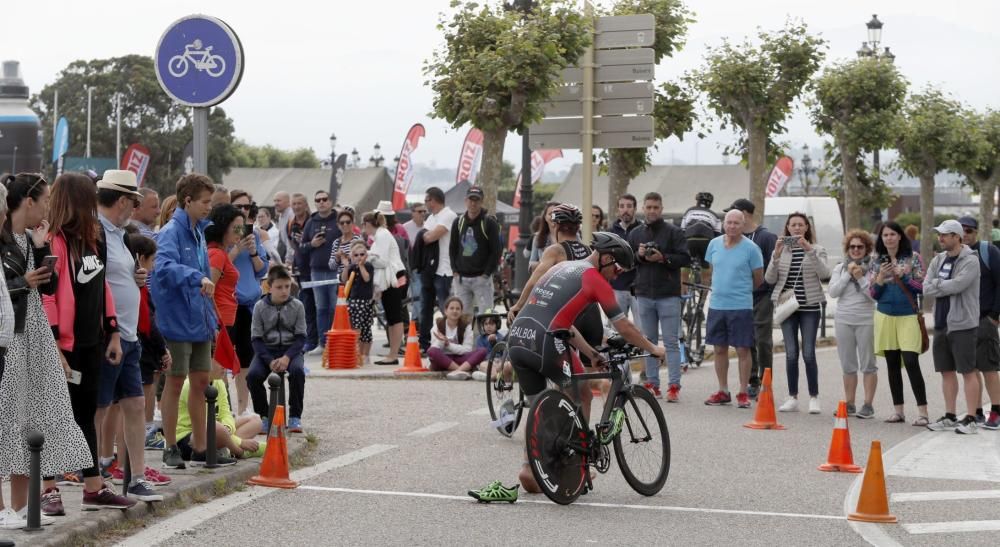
x: 742, y: 400
x: 673, y: 393
x: 719, y: 398
x: 156, y: 478
x: 655, y: 390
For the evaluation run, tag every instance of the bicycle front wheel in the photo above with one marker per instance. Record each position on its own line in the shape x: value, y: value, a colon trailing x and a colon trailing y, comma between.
x: 555, y: 450
x: 643, y: 446
x: 503, y: 393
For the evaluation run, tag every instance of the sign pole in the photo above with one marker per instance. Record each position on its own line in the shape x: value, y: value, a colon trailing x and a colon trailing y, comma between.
x: 200, y: 119
x: 588, y: 130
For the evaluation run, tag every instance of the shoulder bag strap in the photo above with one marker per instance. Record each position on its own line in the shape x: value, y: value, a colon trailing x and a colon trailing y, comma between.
x: 908, y: 293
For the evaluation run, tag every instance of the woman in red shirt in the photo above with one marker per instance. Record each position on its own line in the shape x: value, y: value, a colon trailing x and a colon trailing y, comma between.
x: 223, y: 237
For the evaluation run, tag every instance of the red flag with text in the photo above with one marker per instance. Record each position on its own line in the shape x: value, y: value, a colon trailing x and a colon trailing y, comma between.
x: 779, y: 176
x: 539, y: 159
x: 136, y: 159
x: 404, y: 169
x: 468, y: 162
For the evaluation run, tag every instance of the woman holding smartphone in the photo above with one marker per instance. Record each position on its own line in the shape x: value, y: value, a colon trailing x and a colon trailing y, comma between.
x: 896, y: 279
x: 797, y: 267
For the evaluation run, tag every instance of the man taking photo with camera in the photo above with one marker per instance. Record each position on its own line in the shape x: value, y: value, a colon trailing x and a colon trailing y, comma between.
x: 661, y: 249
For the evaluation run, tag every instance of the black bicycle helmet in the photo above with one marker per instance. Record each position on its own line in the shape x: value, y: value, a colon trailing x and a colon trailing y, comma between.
x: 704, y: 199
x: 566, y: 213
x: 613, y: 244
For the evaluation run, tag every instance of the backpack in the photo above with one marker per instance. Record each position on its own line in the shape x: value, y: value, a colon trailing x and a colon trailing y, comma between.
x: 984, y: 253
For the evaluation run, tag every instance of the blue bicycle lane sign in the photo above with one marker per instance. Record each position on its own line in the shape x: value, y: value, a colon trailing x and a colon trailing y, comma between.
x: 199, y: 61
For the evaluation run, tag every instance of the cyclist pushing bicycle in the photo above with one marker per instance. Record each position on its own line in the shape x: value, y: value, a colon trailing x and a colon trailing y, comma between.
x: 555, y: 303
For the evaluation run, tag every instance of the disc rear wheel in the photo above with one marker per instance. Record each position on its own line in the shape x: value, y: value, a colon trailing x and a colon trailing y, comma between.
x: 555, y: 438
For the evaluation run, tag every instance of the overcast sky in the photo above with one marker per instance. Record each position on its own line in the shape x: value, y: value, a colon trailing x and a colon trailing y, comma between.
x: 354, y: 68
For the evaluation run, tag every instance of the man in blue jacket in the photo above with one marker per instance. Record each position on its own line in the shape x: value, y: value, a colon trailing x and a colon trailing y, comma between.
x: 318, y: 237
x: 182, y: 292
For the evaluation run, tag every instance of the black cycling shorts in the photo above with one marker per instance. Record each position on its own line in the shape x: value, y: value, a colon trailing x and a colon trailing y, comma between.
x: 536, y: 361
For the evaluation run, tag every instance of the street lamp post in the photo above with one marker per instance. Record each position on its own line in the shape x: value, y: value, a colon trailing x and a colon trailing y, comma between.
x: 376, y: 159
x: 806, y: 170
x: 333, y: 162
x: 355, y: 159
x: 869, y: 49
x: 523, y: 242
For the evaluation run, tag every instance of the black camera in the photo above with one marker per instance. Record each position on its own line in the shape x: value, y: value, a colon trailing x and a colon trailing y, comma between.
x: 650, y: 249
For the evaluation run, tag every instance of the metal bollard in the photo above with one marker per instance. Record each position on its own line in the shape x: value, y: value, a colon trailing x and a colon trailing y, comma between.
x: 127, y: 475
x: 35, y: 442
x: 273, y: 381
x: 211, y: 453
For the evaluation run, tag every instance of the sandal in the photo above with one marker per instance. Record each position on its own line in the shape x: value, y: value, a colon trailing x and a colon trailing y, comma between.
x: 896, y: 418
x: 921, y: 421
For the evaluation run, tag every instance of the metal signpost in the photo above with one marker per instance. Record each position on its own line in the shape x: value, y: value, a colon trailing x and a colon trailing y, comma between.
x: 604, y: 83
x: 199, y: 63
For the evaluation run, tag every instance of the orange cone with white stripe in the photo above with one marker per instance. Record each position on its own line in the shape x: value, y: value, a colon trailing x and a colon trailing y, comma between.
x: 412, y: 362
x: 274, y: 466
x: 765, y: 418
x: 840, y: 458
x: 873, y: 502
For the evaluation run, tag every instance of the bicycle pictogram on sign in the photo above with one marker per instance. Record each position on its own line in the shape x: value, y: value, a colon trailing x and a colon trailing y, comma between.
x: 202, y: 59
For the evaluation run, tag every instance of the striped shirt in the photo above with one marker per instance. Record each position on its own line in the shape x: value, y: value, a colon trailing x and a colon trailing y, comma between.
x: 794, y: 280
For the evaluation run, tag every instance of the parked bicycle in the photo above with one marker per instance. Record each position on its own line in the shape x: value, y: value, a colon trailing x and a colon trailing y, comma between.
x: 562, y: 446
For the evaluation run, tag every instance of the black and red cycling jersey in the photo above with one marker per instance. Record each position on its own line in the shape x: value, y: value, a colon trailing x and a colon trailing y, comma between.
x: 558, y: 299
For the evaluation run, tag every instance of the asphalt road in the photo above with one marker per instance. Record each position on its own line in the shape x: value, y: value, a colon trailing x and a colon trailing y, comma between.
x: 395, y: 459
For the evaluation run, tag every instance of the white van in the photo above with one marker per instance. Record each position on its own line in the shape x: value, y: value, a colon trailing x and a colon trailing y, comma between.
x: 823, y: 212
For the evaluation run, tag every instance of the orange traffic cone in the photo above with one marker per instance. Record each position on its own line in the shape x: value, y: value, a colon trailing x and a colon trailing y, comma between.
x: 412, y: 362
x: 765, y: 418
x: 274, y: 467
x: 873, y: 503
x: 841, y: 458
x: 341, y: 340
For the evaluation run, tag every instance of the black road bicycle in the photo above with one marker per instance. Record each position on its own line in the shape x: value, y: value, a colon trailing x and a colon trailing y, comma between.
x: 562, y: 446
x: 693, y: 319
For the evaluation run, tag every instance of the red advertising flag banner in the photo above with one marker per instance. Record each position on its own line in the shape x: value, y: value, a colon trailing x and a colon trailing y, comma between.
x: 136, y: 159
x: 468, y: 162
x: 779, y: 176
x: 539, y: 159
x: 404, y: 169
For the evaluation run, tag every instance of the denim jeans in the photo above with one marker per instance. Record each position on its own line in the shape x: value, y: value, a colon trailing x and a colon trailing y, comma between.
x: 416, y: 287
x: 656, y: 315
x: 434, y: 292
x: 626, y: 301
x: 259, y: 371
x: 326, y: 301
x: 808, y: 323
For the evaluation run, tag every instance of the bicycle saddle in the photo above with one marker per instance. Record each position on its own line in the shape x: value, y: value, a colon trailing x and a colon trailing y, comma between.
x: 617, y: 342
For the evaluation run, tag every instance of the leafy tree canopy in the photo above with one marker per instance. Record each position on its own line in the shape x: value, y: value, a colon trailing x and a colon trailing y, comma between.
x: 247, y: 155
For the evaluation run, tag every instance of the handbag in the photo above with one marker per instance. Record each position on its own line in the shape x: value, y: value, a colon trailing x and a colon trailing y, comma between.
x: 925, y: 341
x: 787, y: 303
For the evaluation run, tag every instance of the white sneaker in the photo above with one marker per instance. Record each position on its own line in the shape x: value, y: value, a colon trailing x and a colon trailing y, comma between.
x: 814, y: 405
x: 9, y: 520
x: 318, y: 350
x: 458, y: 375
x: 45, y: 520
x: 791, y: 405
x: 479, y: 376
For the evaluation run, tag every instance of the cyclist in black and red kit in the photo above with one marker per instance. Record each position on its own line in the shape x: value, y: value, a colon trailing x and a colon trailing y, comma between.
x: 557, y: 302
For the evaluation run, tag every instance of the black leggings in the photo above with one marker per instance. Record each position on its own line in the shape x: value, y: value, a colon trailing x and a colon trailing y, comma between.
x: 83, y: 397
x: 895, y: 359
x: 241, y: 340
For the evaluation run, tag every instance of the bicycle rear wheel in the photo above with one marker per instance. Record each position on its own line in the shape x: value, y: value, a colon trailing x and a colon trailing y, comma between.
x: 643, y: 446
x: 555, y: 447
x: 503, y: 393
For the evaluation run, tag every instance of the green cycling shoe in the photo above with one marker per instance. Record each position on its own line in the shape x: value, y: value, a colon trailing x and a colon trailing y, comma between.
x: 495, y: 491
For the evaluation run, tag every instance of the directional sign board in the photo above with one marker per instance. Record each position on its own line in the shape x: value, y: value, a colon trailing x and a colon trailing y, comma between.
x: 624, y: 31
x: 611, y: 132
x: 199, y: 61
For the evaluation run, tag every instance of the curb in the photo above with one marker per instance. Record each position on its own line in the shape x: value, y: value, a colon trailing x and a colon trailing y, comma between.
x: 83, y: 531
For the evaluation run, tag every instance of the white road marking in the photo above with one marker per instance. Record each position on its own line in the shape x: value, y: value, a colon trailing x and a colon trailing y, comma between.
x: 946, y: 495
x: 435, y: 427
x: 485, y: 411
x: 583, y: 504
x: 953, y: 527
x: 936, y: 457
x: 193, y: 517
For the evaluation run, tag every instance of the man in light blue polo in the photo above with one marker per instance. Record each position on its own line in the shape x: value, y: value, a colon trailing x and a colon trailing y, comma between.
x: 737, y: 269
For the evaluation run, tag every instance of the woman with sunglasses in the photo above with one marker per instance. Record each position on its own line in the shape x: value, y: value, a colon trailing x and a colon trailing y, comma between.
x: 34, y: 393
x: 597, y: 216
x: 341, y: 248
x: 854, y: 324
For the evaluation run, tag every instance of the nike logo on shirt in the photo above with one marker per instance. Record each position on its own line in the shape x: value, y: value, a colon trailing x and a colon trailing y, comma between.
x: 89, y: 270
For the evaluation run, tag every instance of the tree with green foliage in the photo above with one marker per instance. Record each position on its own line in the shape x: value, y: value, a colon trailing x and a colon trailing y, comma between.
x: 929, y: 135
x: 752, y: 87
x: 498, y: 67
x: 673, y: 103
x: 872, y: 192
x: 268, y: 156
x: 148, y: 117
x: 858, y: 103
x: 979, y: 162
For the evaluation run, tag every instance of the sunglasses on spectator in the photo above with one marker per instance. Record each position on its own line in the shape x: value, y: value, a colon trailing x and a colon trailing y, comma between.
x: 969, y: 231
x: 321, y: 200
x: 245, y: 206
x: 852, y: 247
x: 344, y: 223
